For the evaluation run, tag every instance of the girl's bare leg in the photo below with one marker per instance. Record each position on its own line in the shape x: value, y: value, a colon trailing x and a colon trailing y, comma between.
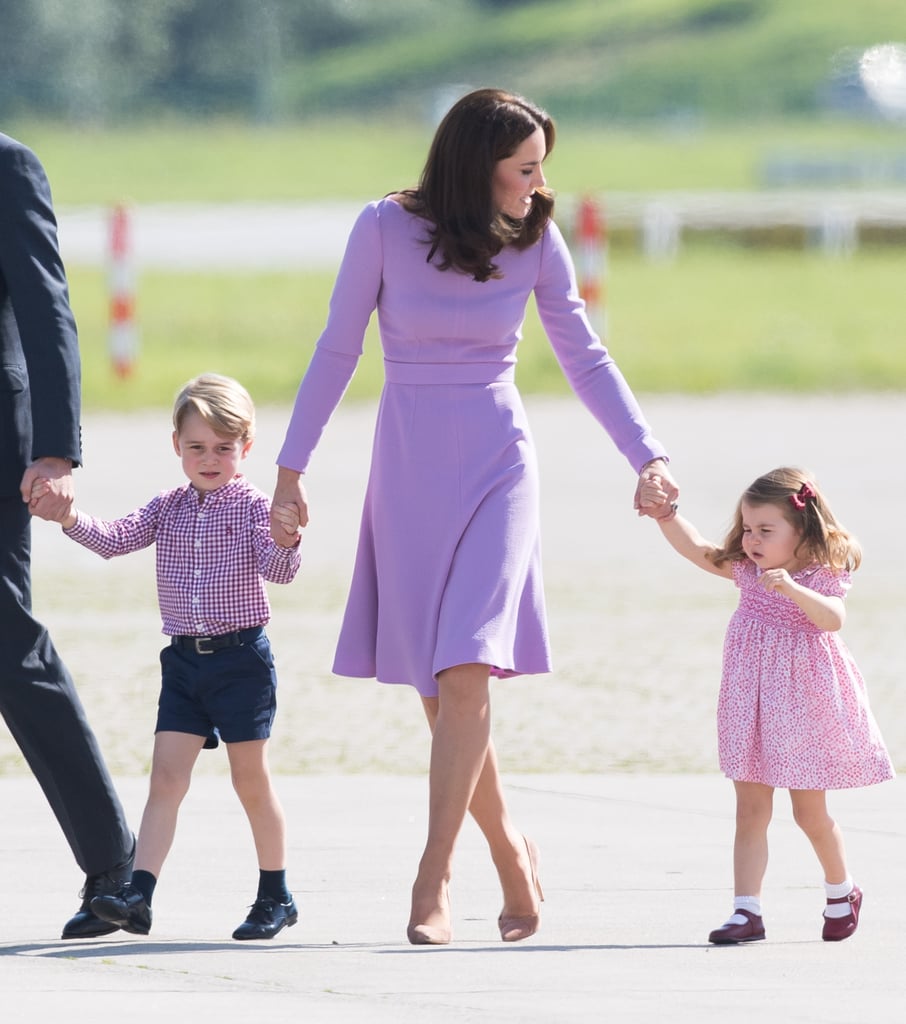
x: 811, y: 815
x: 754, y: 805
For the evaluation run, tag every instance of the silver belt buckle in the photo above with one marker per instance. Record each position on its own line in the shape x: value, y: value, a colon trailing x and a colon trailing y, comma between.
x: 199, y: 644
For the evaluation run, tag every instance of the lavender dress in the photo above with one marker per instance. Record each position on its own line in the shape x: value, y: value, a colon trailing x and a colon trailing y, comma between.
x: 448, y: 568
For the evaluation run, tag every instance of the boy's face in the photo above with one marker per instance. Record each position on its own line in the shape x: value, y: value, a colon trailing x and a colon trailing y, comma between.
x: 209, y: 460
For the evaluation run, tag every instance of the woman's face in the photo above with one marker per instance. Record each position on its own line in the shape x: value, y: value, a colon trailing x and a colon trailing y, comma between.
x: 516, y: 177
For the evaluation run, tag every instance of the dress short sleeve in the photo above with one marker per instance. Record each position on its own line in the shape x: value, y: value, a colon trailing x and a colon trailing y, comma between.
x: 825, y: 581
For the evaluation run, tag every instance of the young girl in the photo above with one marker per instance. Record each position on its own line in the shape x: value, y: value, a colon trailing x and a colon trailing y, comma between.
x: 214, y: 554
x: 793, y: 710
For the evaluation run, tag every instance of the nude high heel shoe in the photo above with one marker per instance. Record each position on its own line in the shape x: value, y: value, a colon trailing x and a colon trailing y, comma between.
x: 426, y: 935
x: 430, y: 934
x: 515, y: 928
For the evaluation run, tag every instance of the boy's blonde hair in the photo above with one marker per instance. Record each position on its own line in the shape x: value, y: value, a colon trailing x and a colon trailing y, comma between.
x: 794, y: 491
x: 223, y: 403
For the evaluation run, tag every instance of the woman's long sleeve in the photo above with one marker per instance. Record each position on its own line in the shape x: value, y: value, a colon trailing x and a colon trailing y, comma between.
x: 588, y: 366
x: 337, y: 352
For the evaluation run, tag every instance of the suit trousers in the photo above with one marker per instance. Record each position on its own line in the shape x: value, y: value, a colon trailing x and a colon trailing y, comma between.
x: 44, y: 713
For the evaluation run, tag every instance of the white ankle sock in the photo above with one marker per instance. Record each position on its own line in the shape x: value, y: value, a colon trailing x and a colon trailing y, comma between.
x: 750, y: 903
x: 836, y: 891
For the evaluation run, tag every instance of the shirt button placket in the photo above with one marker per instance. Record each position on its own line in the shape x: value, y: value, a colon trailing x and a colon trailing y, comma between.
x: 196, y: 573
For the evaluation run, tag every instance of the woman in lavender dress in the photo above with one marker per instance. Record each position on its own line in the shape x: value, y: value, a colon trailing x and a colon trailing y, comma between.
x: 446, y: 590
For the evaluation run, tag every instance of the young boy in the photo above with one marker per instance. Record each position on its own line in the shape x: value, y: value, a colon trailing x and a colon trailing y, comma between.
x: 214, y: 554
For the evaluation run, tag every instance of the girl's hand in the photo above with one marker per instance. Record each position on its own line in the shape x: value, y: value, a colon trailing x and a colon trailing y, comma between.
x: 287, y: 516
x: 779, y: 580
x: 651, y: 493
x: 656, y: 492
x: 824, y: 611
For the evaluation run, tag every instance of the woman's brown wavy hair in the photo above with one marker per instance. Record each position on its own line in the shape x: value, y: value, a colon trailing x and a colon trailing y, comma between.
x: 455, y: 189
x: 822, y: 538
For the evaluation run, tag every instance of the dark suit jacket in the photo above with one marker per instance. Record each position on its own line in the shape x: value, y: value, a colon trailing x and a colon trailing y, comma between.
x: 39, y: 354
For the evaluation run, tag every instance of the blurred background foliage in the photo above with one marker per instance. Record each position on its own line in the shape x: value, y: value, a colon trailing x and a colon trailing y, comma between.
x: 315, y: 101
x: 110, y: 61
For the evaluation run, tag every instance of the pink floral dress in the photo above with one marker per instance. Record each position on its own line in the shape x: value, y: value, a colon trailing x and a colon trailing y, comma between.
x: 793, y: 709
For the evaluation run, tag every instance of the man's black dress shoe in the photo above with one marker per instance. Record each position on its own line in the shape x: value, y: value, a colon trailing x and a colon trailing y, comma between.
x: 266, y: 918
x: 86, y: 925
x: 126, y: 909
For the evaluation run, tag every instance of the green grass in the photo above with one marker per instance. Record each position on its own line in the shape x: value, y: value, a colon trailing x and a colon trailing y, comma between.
x: 756, y: 320
x: 718, y: 319
x: 605, y: 60
x: 228, y: 162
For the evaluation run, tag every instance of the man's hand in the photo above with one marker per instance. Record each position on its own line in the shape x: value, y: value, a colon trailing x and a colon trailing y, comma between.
x: 54, y: 491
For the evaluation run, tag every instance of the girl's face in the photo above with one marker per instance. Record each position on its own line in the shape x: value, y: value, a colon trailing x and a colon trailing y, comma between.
x: 516, y: 177
x: 770, y: 539
x: 209, y: 460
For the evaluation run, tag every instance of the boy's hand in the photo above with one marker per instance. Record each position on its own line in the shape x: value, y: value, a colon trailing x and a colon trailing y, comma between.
x: 287, y: 516
x: 54, y: 498
x: 39, y: 487
x: 289, y: 491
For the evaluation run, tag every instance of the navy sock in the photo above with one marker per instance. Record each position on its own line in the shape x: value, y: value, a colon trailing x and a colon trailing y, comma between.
x: 145, y: 882
x: 272, y: 884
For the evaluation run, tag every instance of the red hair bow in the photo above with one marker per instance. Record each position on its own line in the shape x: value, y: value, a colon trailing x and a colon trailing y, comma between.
x: 805, y: 494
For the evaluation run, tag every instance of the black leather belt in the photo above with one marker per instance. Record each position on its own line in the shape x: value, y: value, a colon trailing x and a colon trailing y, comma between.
x: 210, y: 644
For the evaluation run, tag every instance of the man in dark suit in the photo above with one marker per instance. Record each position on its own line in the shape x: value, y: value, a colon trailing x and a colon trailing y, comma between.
x: 40, y: 397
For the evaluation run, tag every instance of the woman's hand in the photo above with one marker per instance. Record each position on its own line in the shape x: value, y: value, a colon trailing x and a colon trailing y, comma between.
x: 288, y: 494
x: 657, y: 492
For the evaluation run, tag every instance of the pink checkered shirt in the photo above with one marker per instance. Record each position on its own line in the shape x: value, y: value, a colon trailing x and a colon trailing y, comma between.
x: 212, y: 559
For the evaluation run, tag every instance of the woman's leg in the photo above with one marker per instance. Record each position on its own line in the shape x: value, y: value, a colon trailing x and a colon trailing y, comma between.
x: 811, y: 815
x: 754, y: 805
x: 174, y: 757
x: 252, y: 781
x: 488, y: 808
x: 459, y: 747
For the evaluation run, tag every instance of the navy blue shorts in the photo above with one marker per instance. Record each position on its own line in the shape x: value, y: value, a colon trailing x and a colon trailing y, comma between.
x: 233, y: 689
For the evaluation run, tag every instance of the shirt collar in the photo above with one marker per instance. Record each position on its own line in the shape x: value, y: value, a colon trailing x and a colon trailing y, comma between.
x: 218, y: 493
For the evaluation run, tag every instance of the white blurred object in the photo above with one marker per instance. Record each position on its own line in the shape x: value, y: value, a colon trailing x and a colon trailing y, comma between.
x: 882, y: 69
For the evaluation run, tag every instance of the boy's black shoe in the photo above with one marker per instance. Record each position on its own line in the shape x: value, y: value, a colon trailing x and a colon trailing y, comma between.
x: 266, y: 918
x: 126, y: 908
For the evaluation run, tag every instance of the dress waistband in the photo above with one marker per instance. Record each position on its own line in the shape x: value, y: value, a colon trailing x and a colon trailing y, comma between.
x: 448, y: 373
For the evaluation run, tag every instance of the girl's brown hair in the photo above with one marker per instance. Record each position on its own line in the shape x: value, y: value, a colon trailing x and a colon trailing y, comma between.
x: 822, y: 538
x: 455, y: 189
